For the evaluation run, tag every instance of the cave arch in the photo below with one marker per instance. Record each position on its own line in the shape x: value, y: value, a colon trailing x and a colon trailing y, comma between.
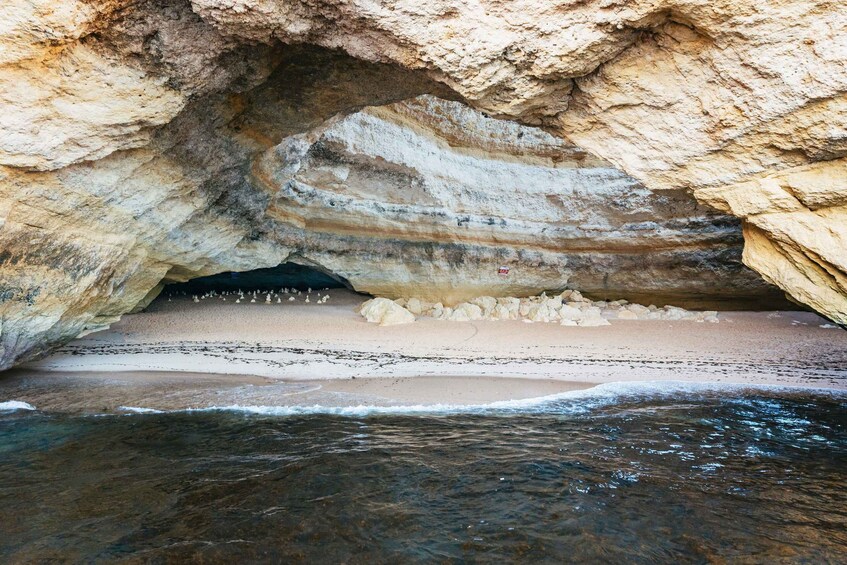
x: 153, y: 176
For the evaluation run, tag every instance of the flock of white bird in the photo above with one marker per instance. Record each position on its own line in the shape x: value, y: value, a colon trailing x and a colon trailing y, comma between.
x: 255, y: 296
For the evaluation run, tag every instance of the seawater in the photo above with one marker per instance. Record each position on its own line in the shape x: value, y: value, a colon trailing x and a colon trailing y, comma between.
x: 617, y: 474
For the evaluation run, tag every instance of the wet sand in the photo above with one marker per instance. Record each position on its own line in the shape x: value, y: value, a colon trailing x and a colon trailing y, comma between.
x: 139, y: 391
x: 238, y: 351
x: 451, y: 389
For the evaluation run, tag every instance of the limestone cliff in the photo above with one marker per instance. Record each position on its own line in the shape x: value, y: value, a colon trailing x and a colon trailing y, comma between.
x: 151, y: 140
x: 429, y: 198
x: 726, y: 98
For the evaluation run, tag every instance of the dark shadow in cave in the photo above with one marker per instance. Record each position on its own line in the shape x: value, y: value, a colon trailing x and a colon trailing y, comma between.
x: 285, y: 275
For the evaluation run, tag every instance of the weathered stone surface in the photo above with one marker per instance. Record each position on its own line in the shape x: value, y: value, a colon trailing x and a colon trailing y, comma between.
x: 429, y: 198
x: 569, y: 308
x: 699, y: 94
x: 85, y: 243
x: 385, y: 312
x: 795, y: 230
x: 423, y: 197
x: 141, y: 140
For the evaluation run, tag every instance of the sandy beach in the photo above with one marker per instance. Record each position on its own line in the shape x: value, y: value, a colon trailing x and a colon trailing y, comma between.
x: 182, y: 354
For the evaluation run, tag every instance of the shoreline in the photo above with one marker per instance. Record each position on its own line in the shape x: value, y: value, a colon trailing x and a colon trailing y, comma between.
x: 116, y: 394
x: 178, y: 351
x: 137, y: 391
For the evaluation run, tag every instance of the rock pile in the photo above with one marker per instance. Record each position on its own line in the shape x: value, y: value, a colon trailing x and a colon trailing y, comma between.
x: 569, y: 308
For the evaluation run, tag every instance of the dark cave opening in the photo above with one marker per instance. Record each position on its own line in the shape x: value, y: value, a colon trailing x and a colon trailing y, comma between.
x: 286, y: 275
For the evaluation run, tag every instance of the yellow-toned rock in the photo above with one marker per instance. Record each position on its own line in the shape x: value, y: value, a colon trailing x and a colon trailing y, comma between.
x: 148, y: 142
x: 385, y: 312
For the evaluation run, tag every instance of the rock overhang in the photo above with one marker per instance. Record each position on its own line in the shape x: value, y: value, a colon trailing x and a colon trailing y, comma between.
x: 158, y: 109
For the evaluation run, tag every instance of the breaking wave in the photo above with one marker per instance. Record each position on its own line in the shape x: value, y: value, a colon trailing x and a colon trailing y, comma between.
x: 15, y: 405
x: 574, y: 402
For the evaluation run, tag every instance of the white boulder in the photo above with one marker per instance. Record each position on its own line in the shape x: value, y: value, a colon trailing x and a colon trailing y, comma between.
x: 385, y: 312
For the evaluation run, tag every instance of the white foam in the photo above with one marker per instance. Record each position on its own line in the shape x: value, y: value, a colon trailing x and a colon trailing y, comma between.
x: 140, y: 410
x: 567, y: 403
x: 16, y: 405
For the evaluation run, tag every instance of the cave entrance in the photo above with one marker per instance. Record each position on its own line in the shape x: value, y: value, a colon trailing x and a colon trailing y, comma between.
x: 285, y: 275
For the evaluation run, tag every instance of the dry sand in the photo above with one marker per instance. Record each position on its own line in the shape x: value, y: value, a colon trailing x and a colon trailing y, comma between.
x: 303, y: 343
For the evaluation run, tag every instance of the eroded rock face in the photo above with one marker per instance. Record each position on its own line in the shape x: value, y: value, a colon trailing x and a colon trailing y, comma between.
x: 164, y: 139
x: 429, y: 198
x: 84, y: 243
x: 726, y: 98
x: 424, y: 197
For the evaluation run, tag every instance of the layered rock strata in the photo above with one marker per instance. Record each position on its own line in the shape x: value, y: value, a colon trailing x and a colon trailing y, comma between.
x: 742, y: 103
x: 429, y: 198
x: 87, y: 242
x: 423, y: 197
x: 145, y: 140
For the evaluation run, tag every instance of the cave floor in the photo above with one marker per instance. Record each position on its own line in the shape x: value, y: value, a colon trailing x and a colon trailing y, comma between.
x: 234, y: 352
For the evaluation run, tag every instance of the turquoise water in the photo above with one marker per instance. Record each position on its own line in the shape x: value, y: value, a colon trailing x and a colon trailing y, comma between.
x: 687, y: 476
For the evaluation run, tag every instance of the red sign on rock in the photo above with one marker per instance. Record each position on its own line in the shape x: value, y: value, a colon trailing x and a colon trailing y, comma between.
x: 503, y: 271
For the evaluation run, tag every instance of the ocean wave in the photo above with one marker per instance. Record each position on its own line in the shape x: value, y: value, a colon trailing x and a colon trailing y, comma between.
x: 574, y: 402
x: 16, y: 405
x: 140, y: 410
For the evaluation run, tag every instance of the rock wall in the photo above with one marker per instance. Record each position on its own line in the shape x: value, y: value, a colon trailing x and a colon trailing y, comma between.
x: 86, y: 242
x: 151, y: 140
x: 725, y: 98
x: 429, y: 198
